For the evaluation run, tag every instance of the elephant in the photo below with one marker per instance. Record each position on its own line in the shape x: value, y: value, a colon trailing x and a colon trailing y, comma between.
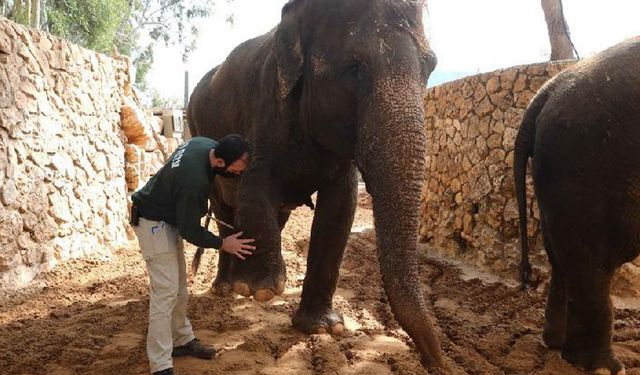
x: 335, y: 88
x: 582, y: 132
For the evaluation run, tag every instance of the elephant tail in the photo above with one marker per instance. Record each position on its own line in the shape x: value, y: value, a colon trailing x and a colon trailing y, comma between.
x: 523, y: 149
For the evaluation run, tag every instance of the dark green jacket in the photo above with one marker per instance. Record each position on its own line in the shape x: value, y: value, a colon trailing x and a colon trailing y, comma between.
x: 179, y: 192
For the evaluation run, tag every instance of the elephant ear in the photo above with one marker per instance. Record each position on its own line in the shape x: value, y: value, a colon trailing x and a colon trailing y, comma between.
x: 288, y: 49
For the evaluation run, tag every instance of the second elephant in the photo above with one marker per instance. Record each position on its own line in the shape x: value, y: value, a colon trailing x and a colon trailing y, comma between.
x: 582, y: 131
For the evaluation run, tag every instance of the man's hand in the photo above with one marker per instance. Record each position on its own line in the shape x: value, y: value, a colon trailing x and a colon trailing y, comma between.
x: 238, y: 246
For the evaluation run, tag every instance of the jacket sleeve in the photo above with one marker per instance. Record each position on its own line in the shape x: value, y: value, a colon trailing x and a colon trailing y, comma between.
x: 191, y: 205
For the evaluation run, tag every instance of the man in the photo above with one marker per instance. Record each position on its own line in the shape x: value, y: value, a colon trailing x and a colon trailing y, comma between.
x: 165, y: 211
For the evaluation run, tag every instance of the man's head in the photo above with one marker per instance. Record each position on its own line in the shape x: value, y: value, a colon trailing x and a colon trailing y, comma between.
x: 231, y: 156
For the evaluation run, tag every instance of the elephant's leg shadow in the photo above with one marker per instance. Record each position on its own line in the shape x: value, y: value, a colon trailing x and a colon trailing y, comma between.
x: 329, y: 234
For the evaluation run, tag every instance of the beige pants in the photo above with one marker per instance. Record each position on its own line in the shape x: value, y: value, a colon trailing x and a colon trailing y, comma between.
x: 163, y: 251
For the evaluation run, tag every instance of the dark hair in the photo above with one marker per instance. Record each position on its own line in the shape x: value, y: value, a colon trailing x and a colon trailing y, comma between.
x: 231, y: 148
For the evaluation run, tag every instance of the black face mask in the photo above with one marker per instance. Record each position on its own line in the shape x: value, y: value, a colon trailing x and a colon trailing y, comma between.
x: 222, y: 171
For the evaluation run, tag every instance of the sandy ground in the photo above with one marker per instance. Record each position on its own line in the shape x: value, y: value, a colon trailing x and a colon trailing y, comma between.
x: 89, y: 317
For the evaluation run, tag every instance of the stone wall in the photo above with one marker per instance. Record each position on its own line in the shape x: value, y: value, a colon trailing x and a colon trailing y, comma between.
x: 62, y: 185
x: 469, y: 209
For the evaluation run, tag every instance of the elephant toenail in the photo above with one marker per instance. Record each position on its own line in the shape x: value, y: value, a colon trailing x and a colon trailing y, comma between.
x: 242, y: 289
x: 602, y: 371
x: 263, y: 295
x: 337, y: 329
x: 321, y: 330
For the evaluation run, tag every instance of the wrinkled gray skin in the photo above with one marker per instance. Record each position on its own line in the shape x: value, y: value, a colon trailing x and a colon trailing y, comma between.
x: 582, y: 131
x: 338, y: 86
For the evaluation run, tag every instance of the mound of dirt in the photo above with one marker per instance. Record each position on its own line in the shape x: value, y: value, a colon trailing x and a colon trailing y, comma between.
x: 90, y: 317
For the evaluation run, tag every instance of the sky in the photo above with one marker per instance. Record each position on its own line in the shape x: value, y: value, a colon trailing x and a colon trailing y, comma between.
x: 468, y: 36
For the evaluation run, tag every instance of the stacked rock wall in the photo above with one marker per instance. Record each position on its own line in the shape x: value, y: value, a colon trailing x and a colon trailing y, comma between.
x: 469, y: 208
x: 62, y: 186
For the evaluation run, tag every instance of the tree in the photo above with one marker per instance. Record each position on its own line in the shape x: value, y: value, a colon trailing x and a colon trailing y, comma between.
x: 34, y: 21
x: 561, y: 45
x: 173, y: 22
x: 170, y: 22
x: 92, y: 24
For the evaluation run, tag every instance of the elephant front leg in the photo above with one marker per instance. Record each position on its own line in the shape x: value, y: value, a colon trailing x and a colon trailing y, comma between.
x: 590, y: 320
x: 263, y: 273
x: 331, y: 227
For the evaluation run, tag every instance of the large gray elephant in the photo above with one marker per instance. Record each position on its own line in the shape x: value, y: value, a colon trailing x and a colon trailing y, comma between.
x: 582, y: 131
x: 337, y: 87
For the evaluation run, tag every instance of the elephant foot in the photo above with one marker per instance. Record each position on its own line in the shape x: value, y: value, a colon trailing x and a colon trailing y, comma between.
x: 262, y: 276
x: 553, y: 338
x: 324, y: 320
x: 260, y: 293
x: 599, y: 364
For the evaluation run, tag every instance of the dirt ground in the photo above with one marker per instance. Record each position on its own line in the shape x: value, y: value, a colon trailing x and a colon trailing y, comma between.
x: 90, y: 316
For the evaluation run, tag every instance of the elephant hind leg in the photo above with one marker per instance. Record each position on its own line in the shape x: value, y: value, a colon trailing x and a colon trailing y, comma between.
x: 556, y: 309
x: 589, y: 318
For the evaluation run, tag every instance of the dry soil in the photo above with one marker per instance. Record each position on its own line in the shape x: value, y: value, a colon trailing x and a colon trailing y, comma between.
x: 89, y: 317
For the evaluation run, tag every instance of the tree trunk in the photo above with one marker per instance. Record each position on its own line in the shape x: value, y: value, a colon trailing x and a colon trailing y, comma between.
x: 561, y: 45
x: 17, y: 8
x: 35, y: 14
x: 26, y: 12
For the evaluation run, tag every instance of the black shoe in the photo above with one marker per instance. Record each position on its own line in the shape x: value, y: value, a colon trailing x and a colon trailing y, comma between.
x: 195, y: 349
x: 168, y: 371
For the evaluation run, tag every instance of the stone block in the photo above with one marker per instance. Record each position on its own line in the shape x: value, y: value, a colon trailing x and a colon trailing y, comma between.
x: 479, y: 93
x: 520, y: 83
x: 485, y: 107
x: 493, y: 84
x: 9, y: 193
x: 10, y: 225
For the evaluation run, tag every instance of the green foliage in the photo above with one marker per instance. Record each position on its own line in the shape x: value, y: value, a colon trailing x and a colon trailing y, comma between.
x: 94, y: 24
x: 143, y: 63
x: 159, y: 101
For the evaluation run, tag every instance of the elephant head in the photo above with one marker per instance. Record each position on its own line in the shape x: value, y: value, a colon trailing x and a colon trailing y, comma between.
x: 356, y: 82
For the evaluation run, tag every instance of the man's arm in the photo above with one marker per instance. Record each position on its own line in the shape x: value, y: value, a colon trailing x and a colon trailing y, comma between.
x: 190, y: 205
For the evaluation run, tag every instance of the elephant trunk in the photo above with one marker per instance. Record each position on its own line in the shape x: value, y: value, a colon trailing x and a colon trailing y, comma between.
x: 392, y: 162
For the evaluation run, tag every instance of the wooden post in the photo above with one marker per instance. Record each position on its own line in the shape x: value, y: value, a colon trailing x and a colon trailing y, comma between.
x: 186, y: 89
